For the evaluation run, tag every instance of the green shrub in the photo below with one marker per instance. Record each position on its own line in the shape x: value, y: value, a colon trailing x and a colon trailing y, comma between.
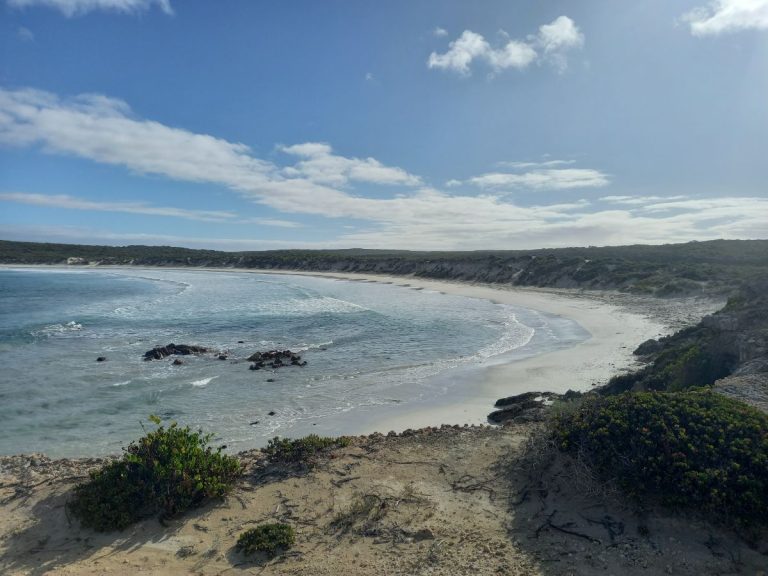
x: 302, y: 450
x: 690, y: 449
x: 268, y: 538
x: 166, y: 472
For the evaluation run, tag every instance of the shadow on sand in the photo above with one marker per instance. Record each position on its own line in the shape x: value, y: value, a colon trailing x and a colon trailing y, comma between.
x: 568, y: 522
x: 53, y: 538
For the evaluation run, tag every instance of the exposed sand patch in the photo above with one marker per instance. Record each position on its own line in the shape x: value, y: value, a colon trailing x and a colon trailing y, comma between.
x: 441, y: 502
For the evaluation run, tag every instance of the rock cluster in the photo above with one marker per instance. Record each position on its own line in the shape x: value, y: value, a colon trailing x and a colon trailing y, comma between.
x: 160, y: 352
x: 275, y: 359
x: 526, y: 407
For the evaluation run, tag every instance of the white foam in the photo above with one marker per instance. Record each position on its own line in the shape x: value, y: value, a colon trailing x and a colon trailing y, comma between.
x: 515, y: 335
x: 204, y: 382
x: 59, y: 328
x: 309, y: 306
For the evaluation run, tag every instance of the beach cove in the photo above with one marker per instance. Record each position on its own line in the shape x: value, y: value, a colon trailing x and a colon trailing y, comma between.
x: 401, y: 376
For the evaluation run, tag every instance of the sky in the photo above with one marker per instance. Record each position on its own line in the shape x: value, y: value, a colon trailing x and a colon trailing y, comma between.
x: 450, y: 125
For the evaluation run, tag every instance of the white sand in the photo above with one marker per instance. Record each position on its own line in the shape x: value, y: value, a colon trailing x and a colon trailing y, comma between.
x: 615, y: 332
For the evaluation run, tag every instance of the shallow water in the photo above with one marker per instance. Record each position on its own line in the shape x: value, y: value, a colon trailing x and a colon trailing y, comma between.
x: 371, y: 349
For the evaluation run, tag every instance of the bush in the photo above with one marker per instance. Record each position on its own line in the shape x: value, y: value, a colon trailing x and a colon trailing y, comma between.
x: 268, y: 538
x: 691, y: 449
x: 303, y: 450
x: 166, y: 472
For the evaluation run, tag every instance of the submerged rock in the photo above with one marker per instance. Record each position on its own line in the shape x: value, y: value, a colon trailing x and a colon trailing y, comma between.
x: 101, y: 359
x: 160, y: 352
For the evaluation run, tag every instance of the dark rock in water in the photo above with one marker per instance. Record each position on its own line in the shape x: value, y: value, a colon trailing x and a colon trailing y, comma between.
x: 271, y: 413
x: 159, y: 352
x: 222, y: 356
x: 253, y: 423
x: 270, y: 379
x: 177, y: 362
x: 241, y: 342
x: 101, y: 359
x: 275, y: 359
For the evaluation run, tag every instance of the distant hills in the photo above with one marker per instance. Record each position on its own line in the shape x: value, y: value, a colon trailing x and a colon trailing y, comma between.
x: 711, y: 267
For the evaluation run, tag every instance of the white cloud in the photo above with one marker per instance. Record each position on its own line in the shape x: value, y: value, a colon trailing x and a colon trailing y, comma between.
x: 557, y: 38
x: 317, y: 181
x: 721, y: 16
x: 461, y: 52
x: 639, y: 200
x: 276, y: 222
x: 551, y: 44
x: 543, y: 179
x: 320, y: 165
x: 561, y: 34
x: 70, y: 202
x: 544, y: 164
x: 439, y: 32
x: 76, y: 7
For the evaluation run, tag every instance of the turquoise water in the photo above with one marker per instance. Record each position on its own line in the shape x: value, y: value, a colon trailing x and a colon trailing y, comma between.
x: 371, y: 348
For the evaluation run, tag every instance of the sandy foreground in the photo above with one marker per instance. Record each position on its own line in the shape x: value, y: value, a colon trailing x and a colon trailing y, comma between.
x: 453, y: 500
x: 450, y: 501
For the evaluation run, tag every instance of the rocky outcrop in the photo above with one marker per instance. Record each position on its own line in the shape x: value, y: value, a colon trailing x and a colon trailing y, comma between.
x: 526, y: 407
x: 752, y: 389
x: 160, y: 352
x: 730, y: 342
x: 275, y: 359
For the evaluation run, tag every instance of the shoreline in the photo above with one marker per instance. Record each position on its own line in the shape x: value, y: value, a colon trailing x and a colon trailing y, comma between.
x: 615, y: 332
x: 615, y: 329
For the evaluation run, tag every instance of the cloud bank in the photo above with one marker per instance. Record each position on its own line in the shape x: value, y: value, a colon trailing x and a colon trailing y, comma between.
x: 77, y: 7
x: 551, y: 44
x: 315, y: 180
x: 723, y: 16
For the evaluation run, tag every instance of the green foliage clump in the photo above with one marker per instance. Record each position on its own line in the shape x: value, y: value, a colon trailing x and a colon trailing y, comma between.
x: 691, y: 358
x: 166, y: 472
x: 692, y: 449
x: 302, y: 450
x: 268, y: 538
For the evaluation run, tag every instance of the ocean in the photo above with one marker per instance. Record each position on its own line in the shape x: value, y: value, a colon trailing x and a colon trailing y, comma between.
x: 372, y: 349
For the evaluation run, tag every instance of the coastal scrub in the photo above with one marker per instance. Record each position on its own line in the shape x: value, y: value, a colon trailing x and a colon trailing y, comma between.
x: 693, y: 449
x: 304, y: 451
x: 268, y: 538
x: 166, y: 472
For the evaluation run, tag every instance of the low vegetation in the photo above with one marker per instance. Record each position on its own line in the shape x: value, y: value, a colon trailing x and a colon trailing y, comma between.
x: 271, y: 539
x: 166, y: 472
x: 694, y: 449
x: 734, y: 338
x: 305, y: 451
x: 668, y: 270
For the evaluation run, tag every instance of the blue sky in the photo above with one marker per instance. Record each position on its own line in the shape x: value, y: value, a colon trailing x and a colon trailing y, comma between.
x: 259, y: 124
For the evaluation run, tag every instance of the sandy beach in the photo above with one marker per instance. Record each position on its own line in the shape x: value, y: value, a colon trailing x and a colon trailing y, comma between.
x: 617, y: 325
